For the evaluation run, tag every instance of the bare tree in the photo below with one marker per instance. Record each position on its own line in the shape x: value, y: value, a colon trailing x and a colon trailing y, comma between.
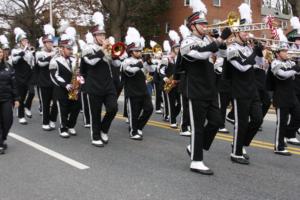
x: 295, y: 7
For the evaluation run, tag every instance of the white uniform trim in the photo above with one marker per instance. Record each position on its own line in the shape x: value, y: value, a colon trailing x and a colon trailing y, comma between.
x: 236, y: 126
x: 192, y: 129
x: 277, y: 129
x: 91, y: 118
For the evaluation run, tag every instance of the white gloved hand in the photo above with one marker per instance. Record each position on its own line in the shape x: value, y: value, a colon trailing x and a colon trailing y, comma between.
x: 69, y: 87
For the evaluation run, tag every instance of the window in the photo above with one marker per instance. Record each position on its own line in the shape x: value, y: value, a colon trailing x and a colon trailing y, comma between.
x: 217, y: 2
x: 186, y: 2
x: 167, y: 28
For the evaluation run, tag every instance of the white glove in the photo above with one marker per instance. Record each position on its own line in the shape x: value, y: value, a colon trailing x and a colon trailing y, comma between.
x: 69, y: 87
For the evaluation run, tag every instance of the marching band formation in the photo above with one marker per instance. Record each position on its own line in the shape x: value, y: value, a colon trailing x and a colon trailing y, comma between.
x: 196, y: 76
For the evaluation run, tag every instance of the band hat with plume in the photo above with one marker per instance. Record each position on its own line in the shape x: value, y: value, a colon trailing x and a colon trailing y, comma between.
x: 283, y: 44
x: 184, y: 31
x: 143, y: 42
x: 175, y: 39
x: 98, y: 21
x: 49, y: 33
x: 295, y: 33
x: 199, y: 13
x: 20, y: 34
x: 4, y: 44
x: 245, y: 13
x: 167, y: 46
x: 133, y: 40
x: 68, y: 37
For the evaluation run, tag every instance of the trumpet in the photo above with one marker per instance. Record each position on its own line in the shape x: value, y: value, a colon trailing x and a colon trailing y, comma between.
x: 168, y: 86
x: 118, y: 49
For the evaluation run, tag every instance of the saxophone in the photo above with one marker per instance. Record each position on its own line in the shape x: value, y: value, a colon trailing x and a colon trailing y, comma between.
x: 76, y: 81
x: 168, y: 86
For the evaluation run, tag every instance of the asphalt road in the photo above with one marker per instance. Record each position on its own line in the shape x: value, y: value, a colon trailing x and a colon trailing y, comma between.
x: 156, y: 168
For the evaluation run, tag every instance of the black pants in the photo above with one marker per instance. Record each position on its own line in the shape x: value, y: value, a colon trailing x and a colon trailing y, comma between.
x: 174, y: 105
x: 6, y: 119
x: 85, y: 108
x: 265, y: 101
x: 68, y: 112
x: 185, y: 118
x: 125, y: 114
x: 49, y: 111
x: 22, y: 91
x: 245, y: 130
x: 283, y: 129
x: 40, y: 99
x: 139, y: 111
x: 166, y: 107
x: 95, y: 108
x: 203, y: 135
x: 224, y: 100
x: 158, y: 97
x: 29, y: 98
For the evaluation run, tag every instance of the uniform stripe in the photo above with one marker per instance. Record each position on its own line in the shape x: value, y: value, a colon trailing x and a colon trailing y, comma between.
x: 236, y: 126
x: 129, y: 112
x: 59, y: 114
x: 165, y: 107
x: 91, y: 118
x: 83, y: 108
x: 41, y: 98
x: 169, y: 107
x: 192, y: 128
x: 181, y: 110
x: 277, y: 129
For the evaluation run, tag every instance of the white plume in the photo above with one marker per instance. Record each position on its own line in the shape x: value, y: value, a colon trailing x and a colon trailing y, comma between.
x: 41, y: 43
x: 71, y: 32
x: 295, y: 23
x: 64, y: 37
x: 166, y: 45
x: 112, y: 40
x: 184, y: 31
x: 174, y: 36
x: 98, y: 19
x: 18, y: 31
x: 281, y: 35
x: 133, y: 36
x: 198, y: 6
x: 89, y: 38
x: 3, y: 39
x: 142, y: 42
x: 63, y: 25
x: 49, y: 30
x: 246, y: 12
x: 82, y: 44
x: 152, y: 43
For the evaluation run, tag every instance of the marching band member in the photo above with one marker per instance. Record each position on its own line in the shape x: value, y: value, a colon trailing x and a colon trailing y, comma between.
x: 241, y: 58
x: 140, y: 105
x: 180, y: 76
x: 45, y: 84
x: 294, y: 36
x: 201, y: 87
x: 23, y: 63
x: 99, y: 84
x: 284, y: 98
x: 62, y: 68
x: 8, y: 97
x: 83, y: 71
x: 223, y: 85
x: 172, y: 95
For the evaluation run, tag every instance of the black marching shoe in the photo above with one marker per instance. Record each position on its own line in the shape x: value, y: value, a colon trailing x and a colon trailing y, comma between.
x: 239, y: 159
x: 199, y: 167
x: 4, y: 146
x: 283, y: 152
x: 2, y: 151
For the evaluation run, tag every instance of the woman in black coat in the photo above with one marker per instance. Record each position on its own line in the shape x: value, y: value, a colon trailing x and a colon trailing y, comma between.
x: 8, y: 99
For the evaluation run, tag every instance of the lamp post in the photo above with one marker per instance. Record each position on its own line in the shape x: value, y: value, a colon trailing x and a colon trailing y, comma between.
x: 51, y: 13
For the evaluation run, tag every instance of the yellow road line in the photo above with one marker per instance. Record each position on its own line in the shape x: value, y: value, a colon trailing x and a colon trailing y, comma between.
x: 255, y: 143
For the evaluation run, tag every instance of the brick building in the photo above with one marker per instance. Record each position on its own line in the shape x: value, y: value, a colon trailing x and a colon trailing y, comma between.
x: 218, y: 10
